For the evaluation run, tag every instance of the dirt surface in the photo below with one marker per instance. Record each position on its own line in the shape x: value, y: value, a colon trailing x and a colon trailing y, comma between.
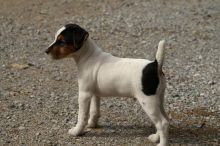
x: 38, y: 96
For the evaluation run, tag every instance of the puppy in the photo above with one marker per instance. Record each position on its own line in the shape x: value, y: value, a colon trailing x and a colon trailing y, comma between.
x: 101, y: 75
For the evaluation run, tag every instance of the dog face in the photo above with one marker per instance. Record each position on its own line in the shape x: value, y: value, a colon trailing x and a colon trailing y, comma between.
x: 68, y: 40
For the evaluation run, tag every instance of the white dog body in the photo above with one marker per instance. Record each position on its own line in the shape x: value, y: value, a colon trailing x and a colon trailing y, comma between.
x: 106, y: 75
x: 102, y: 75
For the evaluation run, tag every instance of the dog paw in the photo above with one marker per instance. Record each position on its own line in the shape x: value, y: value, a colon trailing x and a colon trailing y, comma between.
x: 75, y: 132
x: 92, y: 124
x: 154, y: 138
x: 162, y: 144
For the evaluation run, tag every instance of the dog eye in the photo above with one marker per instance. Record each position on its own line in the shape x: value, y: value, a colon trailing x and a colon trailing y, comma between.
x: 61, y: 42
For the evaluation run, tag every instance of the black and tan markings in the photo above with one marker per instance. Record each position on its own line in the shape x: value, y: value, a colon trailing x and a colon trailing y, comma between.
x: 68, y: 41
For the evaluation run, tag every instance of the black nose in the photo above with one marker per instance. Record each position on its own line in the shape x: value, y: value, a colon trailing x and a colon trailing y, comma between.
x: 47, y: 51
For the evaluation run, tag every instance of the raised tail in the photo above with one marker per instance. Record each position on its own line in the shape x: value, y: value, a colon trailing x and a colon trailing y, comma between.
x: 160, y: 54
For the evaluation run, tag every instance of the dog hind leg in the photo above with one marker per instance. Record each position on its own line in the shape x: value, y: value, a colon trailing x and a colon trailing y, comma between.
x: 152, y: 106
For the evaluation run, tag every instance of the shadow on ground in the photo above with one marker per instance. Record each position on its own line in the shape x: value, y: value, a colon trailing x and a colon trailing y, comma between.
x: 180, y: 135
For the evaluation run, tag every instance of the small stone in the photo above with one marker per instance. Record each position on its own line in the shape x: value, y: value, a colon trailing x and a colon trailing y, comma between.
x: 200, y: 57
x: 57, y: 78
x: 21, y: 127
x: 171, y: 106
x: 31, y: 64
x: 112, y: 131
x: 8, y: 141
x: 196, y: 75
x: 54, y: 121
x: 21, y: 106
x: 37, y: 133
x: 12, y: 106
x: 52, y: 94
x: 19, y: 66
x: 110, y: 106
x: 211, y: 83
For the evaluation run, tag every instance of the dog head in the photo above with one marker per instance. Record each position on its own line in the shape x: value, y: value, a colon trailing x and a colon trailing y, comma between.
x: 68, y: 40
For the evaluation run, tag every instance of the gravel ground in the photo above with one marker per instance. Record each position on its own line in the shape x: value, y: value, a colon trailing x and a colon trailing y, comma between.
x: 38, y: 96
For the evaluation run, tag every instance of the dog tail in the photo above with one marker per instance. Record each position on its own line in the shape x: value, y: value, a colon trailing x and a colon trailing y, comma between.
x: 160, y: 54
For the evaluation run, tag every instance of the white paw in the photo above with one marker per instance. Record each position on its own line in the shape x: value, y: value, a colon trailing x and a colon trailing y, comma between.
x: 75, y: 131
x: 92, y: 124
x: 161, y: 144
x: 154, y: 137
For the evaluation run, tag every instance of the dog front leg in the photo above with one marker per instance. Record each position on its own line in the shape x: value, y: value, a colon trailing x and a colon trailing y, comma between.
x: 84, y: 104
x: 94, y: 112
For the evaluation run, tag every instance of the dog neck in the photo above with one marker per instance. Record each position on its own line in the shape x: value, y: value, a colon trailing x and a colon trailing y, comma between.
x: 84, y: 54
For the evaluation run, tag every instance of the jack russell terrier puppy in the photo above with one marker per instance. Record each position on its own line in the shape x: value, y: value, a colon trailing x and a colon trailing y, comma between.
x: 102, y: 74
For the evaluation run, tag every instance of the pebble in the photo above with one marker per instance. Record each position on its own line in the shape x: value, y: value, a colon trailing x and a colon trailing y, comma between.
x: 38, y: 133
x: 21, y: 127
x: 211, y: 82
x: 54, y: 121
x: 19, y: 66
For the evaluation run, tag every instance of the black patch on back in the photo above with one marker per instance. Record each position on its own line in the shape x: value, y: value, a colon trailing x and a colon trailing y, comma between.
x: 150, y: 79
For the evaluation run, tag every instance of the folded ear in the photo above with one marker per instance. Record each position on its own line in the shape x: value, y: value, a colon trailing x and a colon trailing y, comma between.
x: 75, y: 35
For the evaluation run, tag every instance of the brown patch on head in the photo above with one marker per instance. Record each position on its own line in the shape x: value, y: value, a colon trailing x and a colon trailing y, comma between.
x: 60, y: 37
x: 59, y: 52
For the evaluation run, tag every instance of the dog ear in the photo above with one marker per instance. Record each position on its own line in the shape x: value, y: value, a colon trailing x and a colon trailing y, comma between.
x: 76, y: 35
x: 80, y: 37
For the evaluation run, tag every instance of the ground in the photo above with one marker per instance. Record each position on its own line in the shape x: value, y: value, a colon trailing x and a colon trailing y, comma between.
x: 38, y: 96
